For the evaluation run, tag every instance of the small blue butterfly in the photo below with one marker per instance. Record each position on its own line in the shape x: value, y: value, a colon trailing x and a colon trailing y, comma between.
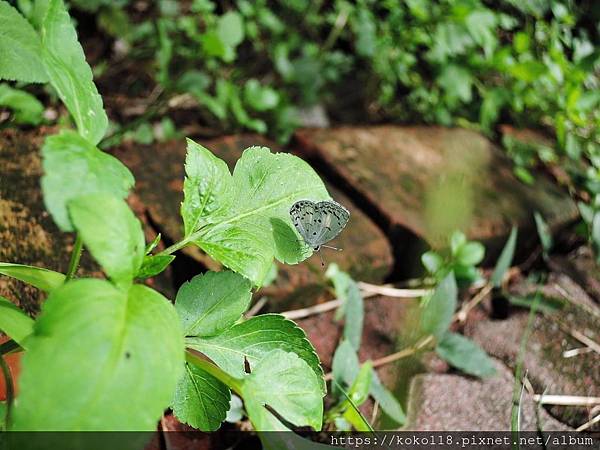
x: 319, y: 222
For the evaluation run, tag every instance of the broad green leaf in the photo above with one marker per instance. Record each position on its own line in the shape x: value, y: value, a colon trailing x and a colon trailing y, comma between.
x: 152, y: 265
x: 466, y: 355
x: 470, y: 254
x: 437, y: 313
x: 248, y: 222
x: 100, y: 359
x: 74, y: 167
x: 201, y: 400
x: 43, y: 279
x: 211, y: 302
x: 252, y: 340
x: 26, y: 108
x: 230, y: 29
x: 457, y: 82
x: 505, y: 259
x: 14, y: 322
x: 543, y: 231
x: 112, y: 234
x: 386, y: 400
x: 287, y: 384
x: 70, y: 74
x: 20, y: 48
x: 206, y: 187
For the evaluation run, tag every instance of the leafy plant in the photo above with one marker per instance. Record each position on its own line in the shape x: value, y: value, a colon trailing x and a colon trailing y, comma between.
x: 461, y: 258
x: 114, y: 354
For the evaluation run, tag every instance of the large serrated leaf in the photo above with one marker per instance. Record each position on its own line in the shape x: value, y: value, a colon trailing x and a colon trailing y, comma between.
x: 112, y: 234
x: 206, y: 187
x: 286, y: 384
x: 70, y: 74
x: 252, y: 340
x: 14, y: 322
x: 211, y: 302
x: 73, y: 167
x: 242, y: 220
x: 20, y: 48
x: 100, y: 359
x: 200, y: 399
x: 41, y: 278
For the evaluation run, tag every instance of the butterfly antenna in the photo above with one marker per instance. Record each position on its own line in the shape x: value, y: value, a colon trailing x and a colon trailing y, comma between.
x: 321, y: 258
x: 332, y: 248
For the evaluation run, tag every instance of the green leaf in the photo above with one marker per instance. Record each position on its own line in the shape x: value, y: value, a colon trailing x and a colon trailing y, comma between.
x: 230, y: 29
x: 470, y: 254
x: 432, y: 261
x: 14, y: 322
x: 100, y: 359
x: 152, y: 265
x: 43, y: 279
x: 211, y: 302
x: 359, y: 391
x: 388, y: 403
x: 260, y: 98
x: 74, y: 167
x: 243, y: 221
x: 252, y: 340
x: 201, y: 400
x: 466, y: 355
x: 69, y: 73
x: 20, y: 48
x: 457, y: 240
x: 356, y: 396
x: 457, y: 82
x: 206, y: 187
x: 27, y: 109
x: 505, y: 259
x: 543, y: 231
x: 437, y: 313
x: 112, y: 234
x: 287, y: 384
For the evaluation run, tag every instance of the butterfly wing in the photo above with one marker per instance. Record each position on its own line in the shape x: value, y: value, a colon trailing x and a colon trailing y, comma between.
x: 331, y: 217
x: 303, y: 214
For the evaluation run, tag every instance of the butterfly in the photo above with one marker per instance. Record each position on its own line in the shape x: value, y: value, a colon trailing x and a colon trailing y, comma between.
x: 319, y: 222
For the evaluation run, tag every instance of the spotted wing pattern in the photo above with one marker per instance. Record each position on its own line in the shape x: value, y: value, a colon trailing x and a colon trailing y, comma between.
x: 320, y: 222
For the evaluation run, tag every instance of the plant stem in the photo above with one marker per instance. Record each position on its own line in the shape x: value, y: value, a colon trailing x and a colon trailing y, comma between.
x: 10, y: 390
x: 177, y: 245
x: 75, y: 257
x: 234, y: 384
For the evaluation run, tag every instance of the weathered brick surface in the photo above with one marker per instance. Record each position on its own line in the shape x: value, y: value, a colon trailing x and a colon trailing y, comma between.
x: 548, y: 369
x: 430, y: 180
x: 457, y: 403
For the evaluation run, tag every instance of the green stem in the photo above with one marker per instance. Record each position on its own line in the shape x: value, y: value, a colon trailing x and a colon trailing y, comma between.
x: 176, y: 246
x: 10, y: 390
x: 75, y: 257
x: 234, y: 384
